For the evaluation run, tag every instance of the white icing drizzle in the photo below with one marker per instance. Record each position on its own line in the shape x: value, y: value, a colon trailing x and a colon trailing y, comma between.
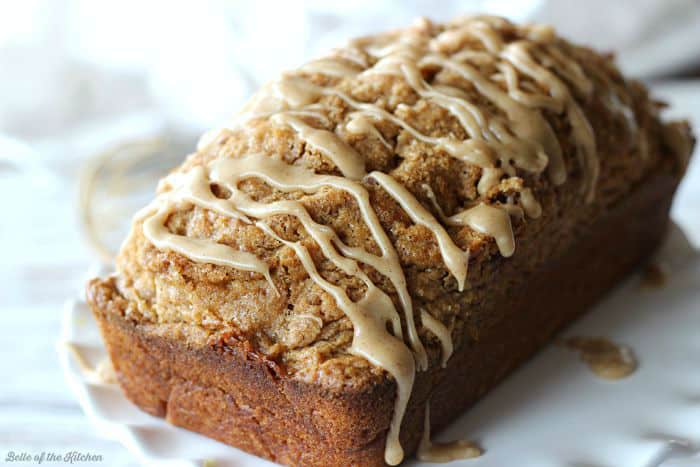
x: 350, y: 163
x: 278, y: 174
x: 530, y: 205
x: 456, y: 260
x: 443, y: 334
x: 537, y: 145
x: 518, y: 54
x: 193, y: 188
x: 490, y: 177
x: 531, y: 77
x: 433, y: 200
x: 471, y: 151
x: 360, y: 124
x: 430, y: 451
x: 491, y: 221
x: 372, y: 341
x: 200, y: 250
x: 330, y: 66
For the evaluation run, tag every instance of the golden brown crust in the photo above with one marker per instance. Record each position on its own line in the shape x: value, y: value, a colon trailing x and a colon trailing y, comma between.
x: 223, y: 388
x: 227, y: 391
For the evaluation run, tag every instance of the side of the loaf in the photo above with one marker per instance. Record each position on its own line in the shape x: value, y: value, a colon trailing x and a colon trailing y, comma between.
x: 225, y: 390
x: 405, y: 220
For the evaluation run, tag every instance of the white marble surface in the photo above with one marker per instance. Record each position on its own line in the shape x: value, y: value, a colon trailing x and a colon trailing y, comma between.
x: 43, y: 263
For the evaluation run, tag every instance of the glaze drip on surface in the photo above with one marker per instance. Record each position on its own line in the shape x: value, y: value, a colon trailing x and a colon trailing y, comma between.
x: 605, y: 358
x: 511, y: 137
x: 432, y: 451
x: 102, y: 373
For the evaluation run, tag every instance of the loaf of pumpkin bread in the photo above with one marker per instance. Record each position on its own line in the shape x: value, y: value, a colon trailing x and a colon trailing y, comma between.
x: 398, y: 223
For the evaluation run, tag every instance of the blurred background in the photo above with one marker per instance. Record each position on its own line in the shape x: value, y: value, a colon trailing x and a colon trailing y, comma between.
x: 88, y: 87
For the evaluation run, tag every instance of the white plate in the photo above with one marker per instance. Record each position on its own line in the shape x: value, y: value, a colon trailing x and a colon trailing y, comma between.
x: 551, y: 412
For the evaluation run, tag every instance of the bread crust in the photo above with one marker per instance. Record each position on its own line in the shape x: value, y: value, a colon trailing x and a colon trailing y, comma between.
x: 227, y: 390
